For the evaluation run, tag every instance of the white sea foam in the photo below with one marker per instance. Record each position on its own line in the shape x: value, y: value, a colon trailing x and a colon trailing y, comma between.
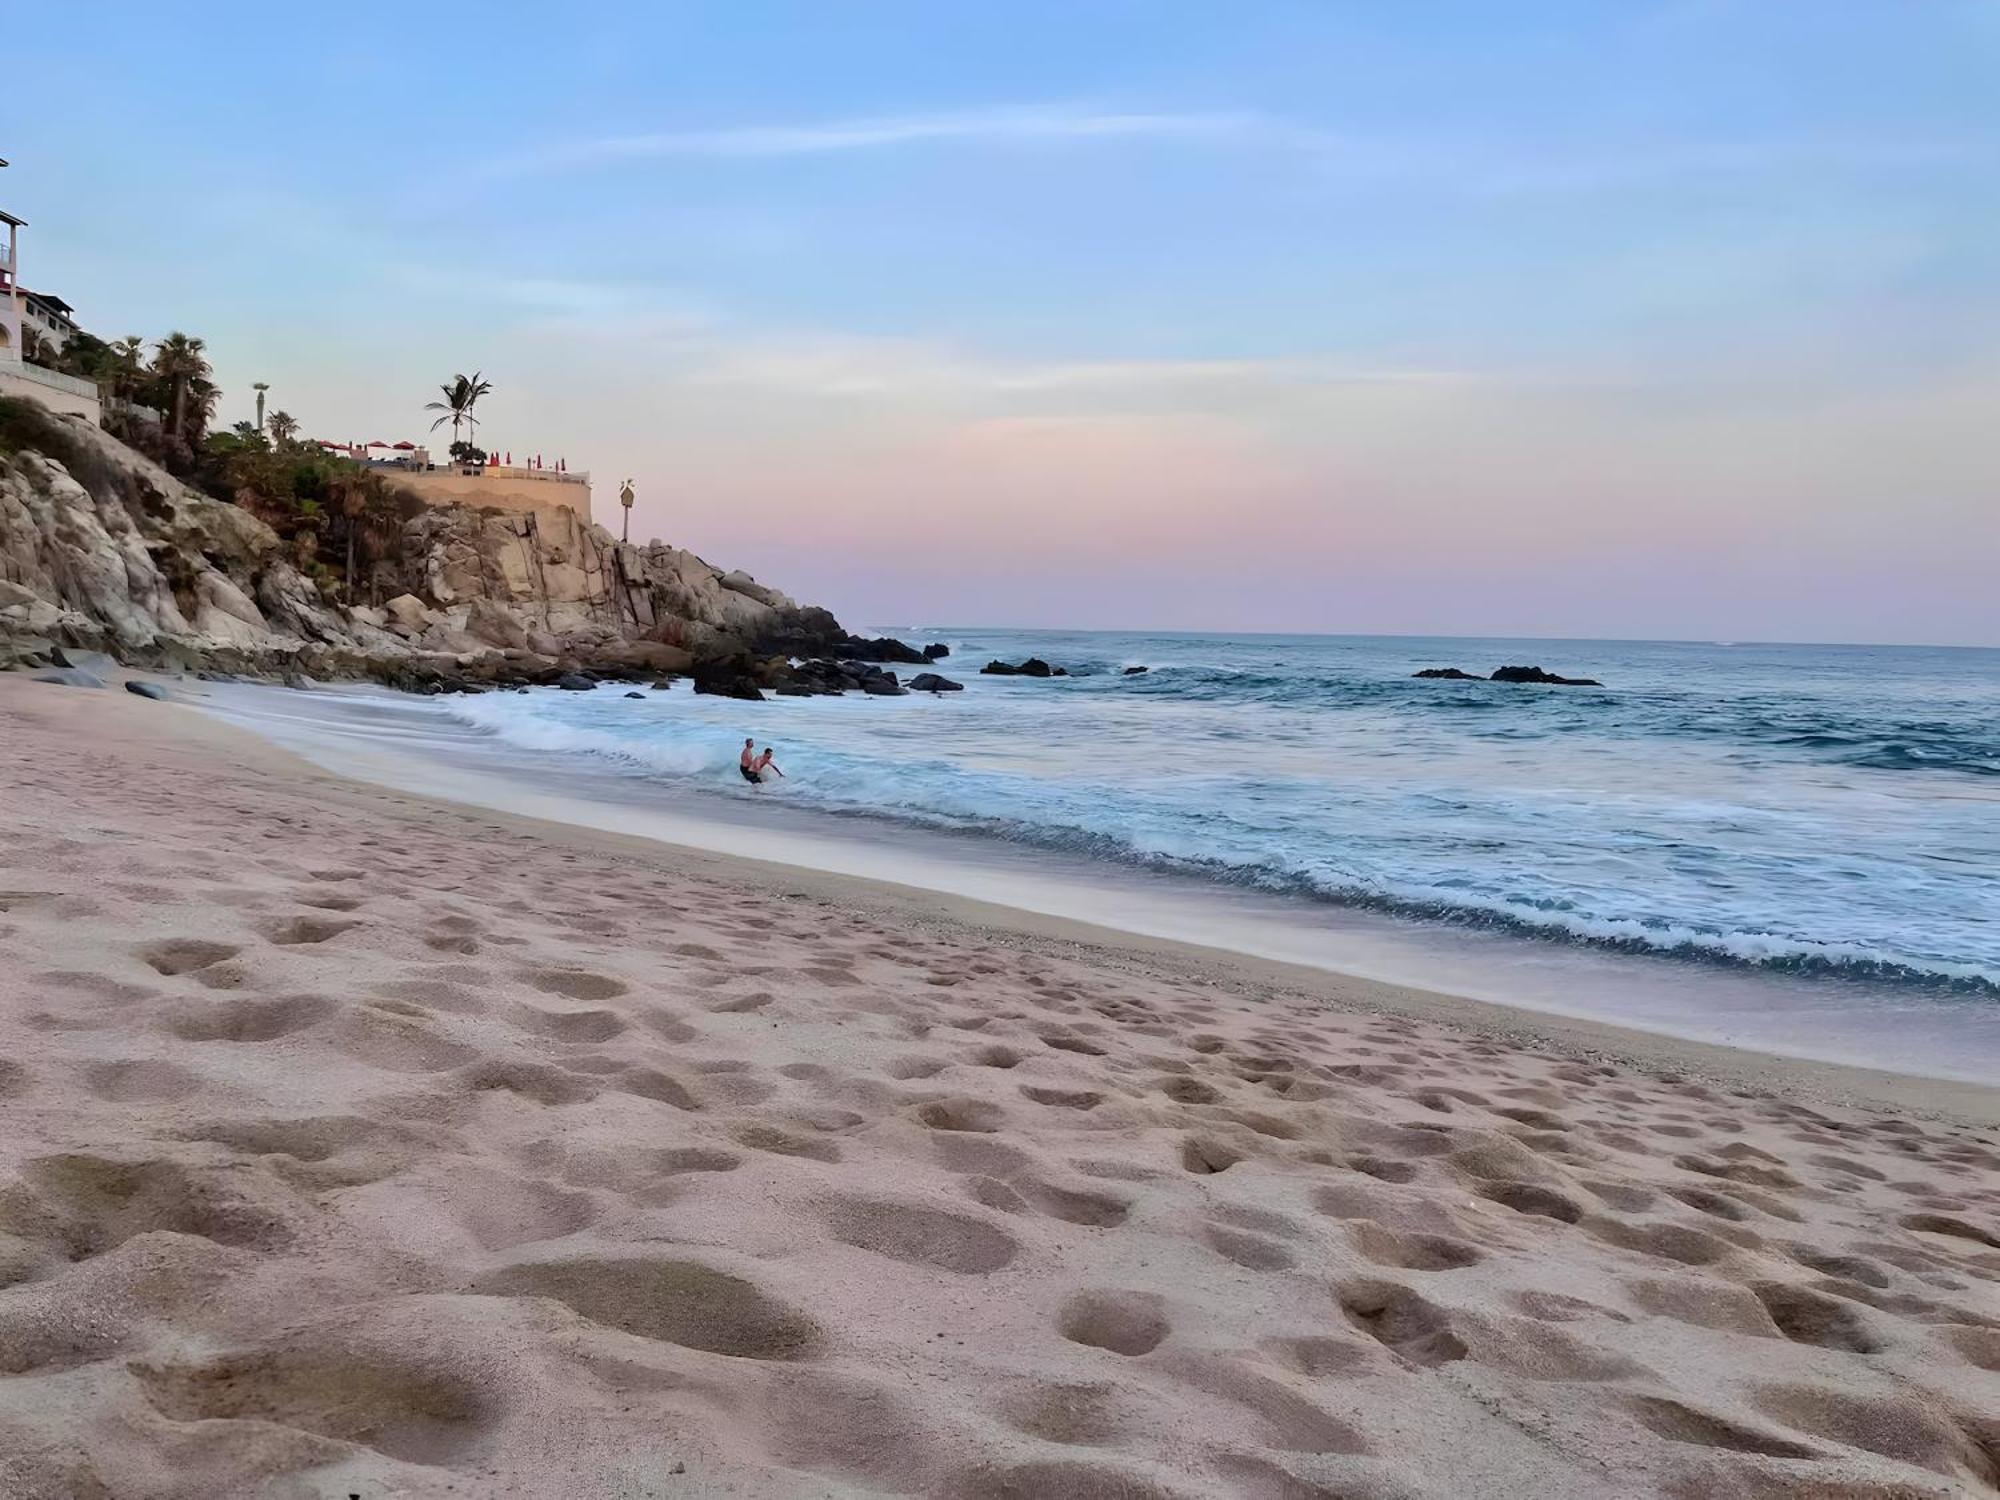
x: 1742, y: 820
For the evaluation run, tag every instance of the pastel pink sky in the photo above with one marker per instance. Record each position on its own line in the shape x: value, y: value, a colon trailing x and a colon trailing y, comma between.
x: 1666, y: 319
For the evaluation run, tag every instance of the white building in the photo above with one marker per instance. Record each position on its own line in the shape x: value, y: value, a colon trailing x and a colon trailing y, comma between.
x: 12, y: 308
x: 49, y: 318
x: 63, y: 393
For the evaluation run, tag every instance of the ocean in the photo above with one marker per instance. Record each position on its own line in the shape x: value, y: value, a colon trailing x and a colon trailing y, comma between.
x: 1828, y: 814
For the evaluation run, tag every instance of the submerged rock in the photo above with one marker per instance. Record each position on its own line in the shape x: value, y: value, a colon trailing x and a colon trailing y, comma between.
x: 1508, y: 674
x: 930, y: 682
x: 1034, y: 666
x: 1536, y: 674
x: 1139, y: 671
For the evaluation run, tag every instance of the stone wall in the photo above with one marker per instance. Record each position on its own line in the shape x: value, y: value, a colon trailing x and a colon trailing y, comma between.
x: 60, y: 393
x: 513, y: 490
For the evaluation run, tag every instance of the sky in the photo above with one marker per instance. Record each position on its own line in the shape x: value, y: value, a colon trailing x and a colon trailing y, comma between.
x: 1627, y: 319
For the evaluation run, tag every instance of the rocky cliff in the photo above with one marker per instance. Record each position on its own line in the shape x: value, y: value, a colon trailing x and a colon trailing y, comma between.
x: 103, y: 549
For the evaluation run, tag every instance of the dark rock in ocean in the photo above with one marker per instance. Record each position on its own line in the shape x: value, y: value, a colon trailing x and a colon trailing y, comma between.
x: 742, y: 688
x: 1536, y: 674
x: 147, y: 690
x: 1136, y: 671
x: 576, y: 682
x: 936, y: 651
x: 1060, y: 672
x: 930, y: 682
x: 663, y: 685
x: 796, y: 690
x: 882, y: 648
x: 1034, y: 666
x: 730, y: 677
x: 1452, y: 673
x: 70, y: 677
x: 883, y: 685
x: 640, y: 696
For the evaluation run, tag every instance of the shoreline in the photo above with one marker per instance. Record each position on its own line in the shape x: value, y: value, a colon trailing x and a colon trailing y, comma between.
x: 362, y: 1142
x: 848, y: 871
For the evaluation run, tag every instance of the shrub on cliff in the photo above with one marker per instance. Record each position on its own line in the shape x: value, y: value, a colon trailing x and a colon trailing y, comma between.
x: 339, y: 517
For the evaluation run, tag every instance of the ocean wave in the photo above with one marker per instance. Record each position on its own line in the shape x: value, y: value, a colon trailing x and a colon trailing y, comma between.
x: 498, y: 715
x: 1754, y: 948
x: 1460, y: 858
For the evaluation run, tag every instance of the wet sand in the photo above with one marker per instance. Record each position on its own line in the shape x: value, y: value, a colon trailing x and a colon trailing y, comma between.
x: 363, y: 1143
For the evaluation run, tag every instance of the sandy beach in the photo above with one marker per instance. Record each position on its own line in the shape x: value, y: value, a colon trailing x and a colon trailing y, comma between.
x: 360, y: 1144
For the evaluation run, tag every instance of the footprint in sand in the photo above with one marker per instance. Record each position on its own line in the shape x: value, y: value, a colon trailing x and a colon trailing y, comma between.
x: 147, y: 1081
x: 250, y: 1020
x: 577, y: 984
x: 396, y: 1406
x: 979, y: 1116
x: 921, y: 1236
x: 1081, y: 1099
x: 1402, y: 1322
x: 1251, y: 1251
x: 1127, y: 1323
x: 1205, y: 1156
x: 1410, y: 1252
x: 762, y: 1137
x: 306, y: 931
x: 184, y: 955
x: 570, y: 1025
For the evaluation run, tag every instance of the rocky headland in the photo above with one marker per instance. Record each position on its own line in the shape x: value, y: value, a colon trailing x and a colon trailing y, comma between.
x: 103, y: 550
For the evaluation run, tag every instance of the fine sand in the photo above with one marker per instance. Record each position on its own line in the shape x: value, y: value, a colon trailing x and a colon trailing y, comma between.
x: 357, y: 1144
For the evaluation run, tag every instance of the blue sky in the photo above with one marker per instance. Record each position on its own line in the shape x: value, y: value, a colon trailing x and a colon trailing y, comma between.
x: 1633, y: 319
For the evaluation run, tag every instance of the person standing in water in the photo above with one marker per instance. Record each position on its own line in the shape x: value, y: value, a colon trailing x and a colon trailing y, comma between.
x: 765, y: 763
x: 747, y: 761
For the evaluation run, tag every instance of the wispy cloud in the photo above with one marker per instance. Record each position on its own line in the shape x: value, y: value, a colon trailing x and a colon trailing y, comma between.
x: 838, y: 367
x: 883, y: 132
x: 1523, y: 167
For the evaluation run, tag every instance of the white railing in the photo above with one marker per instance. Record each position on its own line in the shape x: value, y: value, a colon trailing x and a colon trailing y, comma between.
x: 517, y: 471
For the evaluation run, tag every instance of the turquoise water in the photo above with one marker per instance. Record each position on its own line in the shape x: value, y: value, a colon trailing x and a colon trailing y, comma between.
x: 1811, y: 810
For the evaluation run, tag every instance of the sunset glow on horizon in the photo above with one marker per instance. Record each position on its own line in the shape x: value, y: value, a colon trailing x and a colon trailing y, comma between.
x: 1658, y: 320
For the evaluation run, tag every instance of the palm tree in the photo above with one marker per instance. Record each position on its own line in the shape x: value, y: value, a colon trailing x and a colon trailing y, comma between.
x: 460, y: 396
x: 283, y: 427
x: 181, y: 362
x: 129, y: 356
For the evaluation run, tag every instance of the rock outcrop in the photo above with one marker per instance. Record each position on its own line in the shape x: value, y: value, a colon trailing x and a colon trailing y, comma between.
x: 1034, y: 666
x: 1536, y: 674
x: 1508, y: 674
x: 102, y: 548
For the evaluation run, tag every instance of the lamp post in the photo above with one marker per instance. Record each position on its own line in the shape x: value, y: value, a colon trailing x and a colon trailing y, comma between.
x: 625, y: 499
x: 260, y: 387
